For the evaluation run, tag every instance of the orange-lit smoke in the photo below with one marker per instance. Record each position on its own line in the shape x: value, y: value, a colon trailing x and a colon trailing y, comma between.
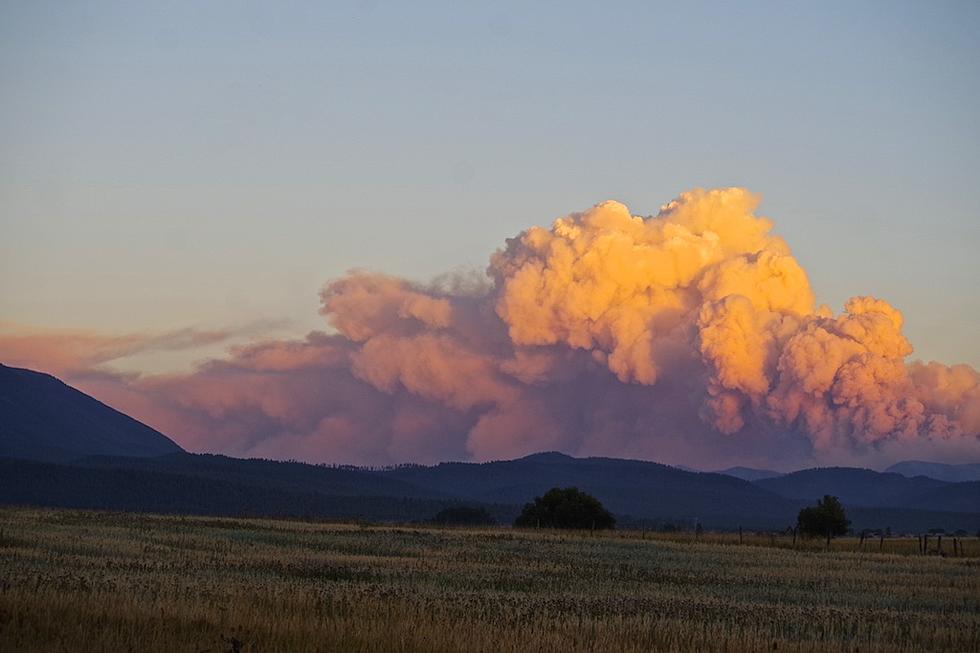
x: 689, y: 337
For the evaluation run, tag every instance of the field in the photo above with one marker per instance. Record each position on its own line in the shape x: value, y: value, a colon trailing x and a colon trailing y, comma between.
x: 84, y: 581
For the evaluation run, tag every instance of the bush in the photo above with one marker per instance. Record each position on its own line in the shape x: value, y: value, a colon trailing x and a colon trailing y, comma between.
x: 464, y: 516
x: 565, y: 508
x: 825, y: 518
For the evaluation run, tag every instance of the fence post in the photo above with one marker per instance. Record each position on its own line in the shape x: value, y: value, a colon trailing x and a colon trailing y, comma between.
x: 881, y: 542
x: 739, y: 534
x: 794, y: 537
x: 939, y: 545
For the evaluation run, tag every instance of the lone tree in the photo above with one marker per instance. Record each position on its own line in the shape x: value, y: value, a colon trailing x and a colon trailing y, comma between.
x: 825, y: 518
x: 464, y: 516
x: 565, y: 508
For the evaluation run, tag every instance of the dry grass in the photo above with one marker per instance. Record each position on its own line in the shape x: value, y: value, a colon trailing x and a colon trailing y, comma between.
x: 83, y: 581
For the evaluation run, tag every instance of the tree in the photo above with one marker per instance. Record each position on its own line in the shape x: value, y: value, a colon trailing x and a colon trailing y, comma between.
x: 825, y: 518
x: 464, y: 516
x: 565, y: 508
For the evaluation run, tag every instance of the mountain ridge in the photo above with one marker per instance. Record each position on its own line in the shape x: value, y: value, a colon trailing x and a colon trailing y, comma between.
x: 43, y: 418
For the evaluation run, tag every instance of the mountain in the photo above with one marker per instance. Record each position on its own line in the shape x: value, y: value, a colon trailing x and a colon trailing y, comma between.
x: 640, y: 489
x: 940, y: 471
x: 641, y: 494
x: 748, y: 473
x: 141, y: 489
x: 268, y: 474
x: 42, y: 418
x: 853, y: 486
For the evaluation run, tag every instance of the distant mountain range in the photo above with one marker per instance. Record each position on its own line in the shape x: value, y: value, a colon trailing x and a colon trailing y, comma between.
x: 941, y: 471
x: 749, y: 473
x: 59, y: 447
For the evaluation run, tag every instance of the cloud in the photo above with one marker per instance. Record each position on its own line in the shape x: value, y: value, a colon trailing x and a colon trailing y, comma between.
x: 689, y: 337
x: 69, y: 351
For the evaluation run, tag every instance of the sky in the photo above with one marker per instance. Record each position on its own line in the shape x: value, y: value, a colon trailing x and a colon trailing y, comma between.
x: 204, y: 168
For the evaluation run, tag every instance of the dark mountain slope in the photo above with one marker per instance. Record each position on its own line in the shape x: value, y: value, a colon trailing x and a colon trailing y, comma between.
x: 939, y: 471
x: 270, y: 474
x: 748, y: 473
x: 41, y: 418
x: 855, y: 487
x: 24, y: 482
x: 631, y: 487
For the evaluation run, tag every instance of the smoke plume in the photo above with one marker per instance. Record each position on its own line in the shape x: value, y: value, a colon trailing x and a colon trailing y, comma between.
x: 689, y: 337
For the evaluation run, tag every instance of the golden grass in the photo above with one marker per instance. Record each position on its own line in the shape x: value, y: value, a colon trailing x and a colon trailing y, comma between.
x: 83, y: 581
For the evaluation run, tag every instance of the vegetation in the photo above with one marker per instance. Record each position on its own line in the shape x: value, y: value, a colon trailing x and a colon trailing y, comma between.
x: 565, y: 508
x: 464, y: 516
x: 86, y: 581
x: 826, y: 518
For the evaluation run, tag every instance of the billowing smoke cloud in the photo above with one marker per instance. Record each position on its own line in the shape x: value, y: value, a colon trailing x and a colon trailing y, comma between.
x: 689, y: 337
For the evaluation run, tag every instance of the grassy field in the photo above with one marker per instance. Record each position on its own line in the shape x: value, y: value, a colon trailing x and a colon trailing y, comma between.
x: 82, y: 581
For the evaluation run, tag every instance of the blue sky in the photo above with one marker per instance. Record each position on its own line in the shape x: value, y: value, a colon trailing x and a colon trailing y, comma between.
x: 212, y: 164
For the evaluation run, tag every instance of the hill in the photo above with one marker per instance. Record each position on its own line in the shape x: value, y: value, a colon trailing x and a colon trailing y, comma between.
x: 641, y: 494
x: 269, y: 474
x: 857, y: 487
x: 42, y: 418
x: 940, y: 471
x: 143, y: 489
x: 637, y: 488
x: 749, y: 473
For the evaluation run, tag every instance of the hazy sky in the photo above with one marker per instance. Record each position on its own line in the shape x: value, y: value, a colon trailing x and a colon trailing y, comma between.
x: 213, y: 164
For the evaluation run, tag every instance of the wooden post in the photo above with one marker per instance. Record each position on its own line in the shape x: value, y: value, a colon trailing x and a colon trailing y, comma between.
x: 739, y: 534
x: 861, y: 543
x: 828, y: 539
x: 794, y: 537
x: 939, y: 545
x: 881, y: 542
x: 925, y: 544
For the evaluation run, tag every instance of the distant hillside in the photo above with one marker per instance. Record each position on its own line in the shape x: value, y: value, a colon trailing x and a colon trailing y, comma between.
x: 142, y: 489
x: 627, y: 487
x: 940, y: 471
x: 270, y: 474
x: 641, y: 494
x: 958, y: 497
x: 41, y: 418
x: 749, y: 473
x: 857, y: 487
